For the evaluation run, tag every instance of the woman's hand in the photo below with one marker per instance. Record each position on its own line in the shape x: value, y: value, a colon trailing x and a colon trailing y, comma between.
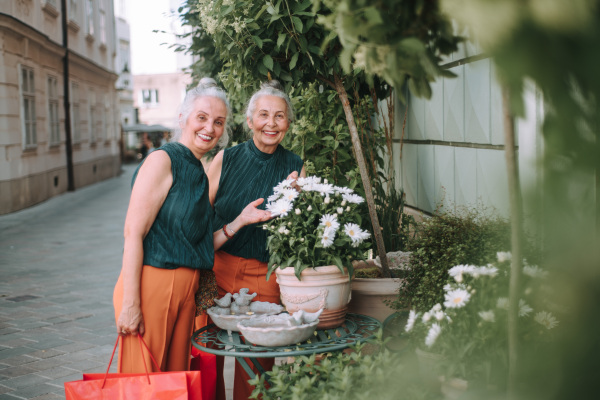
x: 251, y: 215
x: 131, y: 321
x: 294, y: 177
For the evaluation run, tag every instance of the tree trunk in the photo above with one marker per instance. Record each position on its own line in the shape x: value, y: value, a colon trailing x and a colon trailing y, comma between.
x: 364, y: 175
x: 516, y: 217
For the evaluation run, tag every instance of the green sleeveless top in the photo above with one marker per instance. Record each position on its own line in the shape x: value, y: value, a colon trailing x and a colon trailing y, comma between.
x: 182, y: 234
x: 249, y: 174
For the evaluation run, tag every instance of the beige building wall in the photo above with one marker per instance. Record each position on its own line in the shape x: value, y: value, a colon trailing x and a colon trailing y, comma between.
x: 158, y: 97
x: 35, y: 169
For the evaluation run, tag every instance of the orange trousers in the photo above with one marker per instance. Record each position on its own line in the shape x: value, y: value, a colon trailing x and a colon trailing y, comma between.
x: 168, y: 307
x: 234, y: 273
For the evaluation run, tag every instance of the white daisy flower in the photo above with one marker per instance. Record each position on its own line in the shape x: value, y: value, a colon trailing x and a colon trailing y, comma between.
x: 456, y: 298
x: 324, y: 188
x: 280, y: 207
x: 432, y: 335
x: 534, y: 271
x: 285, y: 184
x: 352, y: 198
x: 309, y: 208
x: 437, y: 307
x: 546, y: 319
x: 330, y: 221
x: 343, y: 190
x: 502, y: 303
x: 274, y: 197
x: 340, y: 210
x: 355, y: 233
x: 524, y: 308
x: 439, y: 315
x: 289, y: 194
x: 461, y: 269
x: 486, y: 271
x: 412, y: 317
x: 426, y: 317
x: 327, y: 238
x: 298, y: 211
x: 487, y: 316
x: 503, y: 256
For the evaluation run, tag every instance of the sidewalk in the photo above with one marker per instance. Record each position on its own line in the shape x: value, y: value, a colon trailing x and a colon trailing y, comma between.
x: 59, y: 262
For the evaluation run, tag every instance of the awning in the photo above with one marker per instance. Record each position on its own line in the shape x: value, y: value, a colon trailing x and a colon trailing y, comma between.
x: 146, y: 128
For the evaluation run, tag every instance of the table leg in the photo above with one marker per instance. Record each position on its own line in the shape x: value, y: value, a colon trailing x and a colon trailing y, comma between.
x: 242, y: 361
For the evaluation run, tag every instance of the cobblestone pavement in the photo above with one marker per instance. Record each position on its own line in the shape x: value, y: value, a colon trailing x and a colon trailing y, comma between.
x: 59, y: 261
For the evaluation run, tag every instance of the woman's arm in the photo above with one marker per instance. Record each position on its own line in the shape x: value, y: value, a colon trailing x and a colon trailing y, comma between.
x: 214, y: 175
x: 149, y: 191
x: 249, y: 215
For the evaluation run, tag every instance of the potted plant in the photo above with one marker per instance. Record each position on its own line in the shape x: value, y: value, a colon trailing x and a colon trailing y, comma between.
x: 466, y: 335
x: 313, y: 241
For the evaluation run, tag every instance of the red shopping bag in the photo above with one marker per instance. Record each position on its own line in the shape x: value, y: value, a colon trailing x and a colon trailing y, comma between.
x: 178, y: 385
x: 207, y: 364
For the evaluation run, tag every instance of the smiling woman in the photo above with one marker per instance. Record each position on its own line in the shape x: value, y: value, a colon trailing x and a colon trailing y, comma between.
x: 251, y: 170
x: 169, y: 241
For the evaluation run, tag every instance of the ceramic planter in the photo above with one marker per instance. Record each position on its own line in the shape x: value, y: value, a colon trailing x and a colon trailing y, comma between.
x: 369, y: 296
x: 318, y: 288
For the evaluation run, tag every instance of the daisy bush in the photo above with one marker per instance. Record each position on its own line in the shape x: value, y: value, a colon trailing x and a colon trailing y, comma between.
x: 317, y: 225
x: 470, y: 326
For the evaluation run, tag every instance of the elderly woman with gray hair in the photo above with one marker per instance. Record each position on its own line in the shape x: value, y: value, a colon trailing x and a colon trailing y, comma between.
x: 169, y: 240
x: 248, y: 171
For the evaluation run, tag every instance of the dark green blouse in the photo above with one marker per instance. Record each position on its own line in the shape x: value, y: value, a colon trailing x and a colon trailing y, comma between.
x: 182, y: 233
x: 248, y: 174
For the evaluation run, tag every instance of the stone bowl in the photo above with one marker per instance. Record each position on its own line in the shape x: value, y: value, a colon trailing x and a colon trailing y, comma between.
x: 229, y: 321
x: 274, y: 331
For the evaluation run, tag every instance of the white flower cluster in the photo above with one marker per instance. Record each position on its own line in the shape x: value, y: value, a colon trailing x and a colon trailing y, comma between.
x: 281, y: 202
x: 458, y: 294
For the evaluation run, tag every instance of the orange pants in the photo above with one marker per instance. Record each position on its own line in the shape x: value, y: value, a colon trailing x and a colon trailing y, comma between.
x: 234, y: 273
x: 168, y: 307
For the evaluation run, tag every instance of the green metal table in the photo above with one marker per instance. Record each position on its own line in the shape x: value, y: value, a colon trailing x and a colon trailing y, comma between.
x: 356, y: 328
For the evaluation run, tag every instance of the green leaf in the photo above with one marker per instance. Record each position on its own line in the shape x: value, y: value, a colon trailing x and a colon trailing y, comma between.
x: 297, y: 23
x: 262, y: 10
x: 280, y: 39
x: 293, y: 61
x: 258, y: 41
x: 268, y: 62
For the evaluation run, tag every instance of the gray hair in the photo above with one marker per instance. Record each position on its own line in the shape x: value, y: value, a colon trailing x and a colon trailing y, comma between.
x: 207, y: 87
x: 270, y: 88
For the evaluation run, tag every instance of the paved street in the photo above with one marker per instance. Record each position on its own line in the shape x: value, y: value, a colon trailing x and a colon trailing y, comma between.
x: 59, y: 262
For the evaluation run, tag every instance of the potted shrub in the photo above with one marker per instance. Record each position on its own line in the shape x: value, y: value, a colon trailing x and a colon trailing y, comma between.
x: 466, y: 334
x: 313, y: 241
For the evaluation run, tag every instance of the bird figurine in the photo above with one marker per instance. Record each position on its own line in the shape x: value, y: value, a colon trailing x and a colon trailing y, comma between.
x: 243, y: 298
x: 308, y: 317
x: 225, y: 301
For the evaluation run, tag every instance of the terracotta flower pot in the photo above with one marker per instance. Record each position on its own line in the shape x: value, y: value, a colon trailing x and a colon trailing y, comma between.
x: 321, y: 287
x: 369, y: 296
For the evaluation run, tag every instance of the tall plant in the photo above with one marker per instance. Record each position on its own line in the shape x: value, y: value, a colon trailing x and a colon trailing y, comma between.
x: 281, y: 38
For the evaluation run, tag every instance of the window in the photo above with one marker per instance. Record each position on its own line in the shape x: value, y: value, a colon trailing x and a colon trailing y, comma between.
x: 93, y: 118
x: 102, y: 24
x: 149, y: 97
x: 89, y: 17
x: 75, y: 113
x: 53, y: 124
x: 28, y: 107
x: 100, y: 119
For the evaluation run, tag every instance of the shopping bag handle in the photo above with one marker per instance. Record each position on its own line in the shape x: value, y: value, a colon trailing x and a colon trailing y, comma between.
x: 141, y: 341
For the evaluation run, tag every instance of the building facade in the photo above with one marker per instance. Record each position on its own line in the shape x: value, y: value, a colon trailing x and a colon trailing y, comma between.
x: 451, y: 154
x: 59, y: 121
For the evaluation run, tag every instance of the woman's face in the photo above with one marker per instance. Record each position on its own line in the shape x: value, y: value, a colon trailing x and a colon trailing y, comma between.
x: 269, y: 123
x: 205, y: 125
